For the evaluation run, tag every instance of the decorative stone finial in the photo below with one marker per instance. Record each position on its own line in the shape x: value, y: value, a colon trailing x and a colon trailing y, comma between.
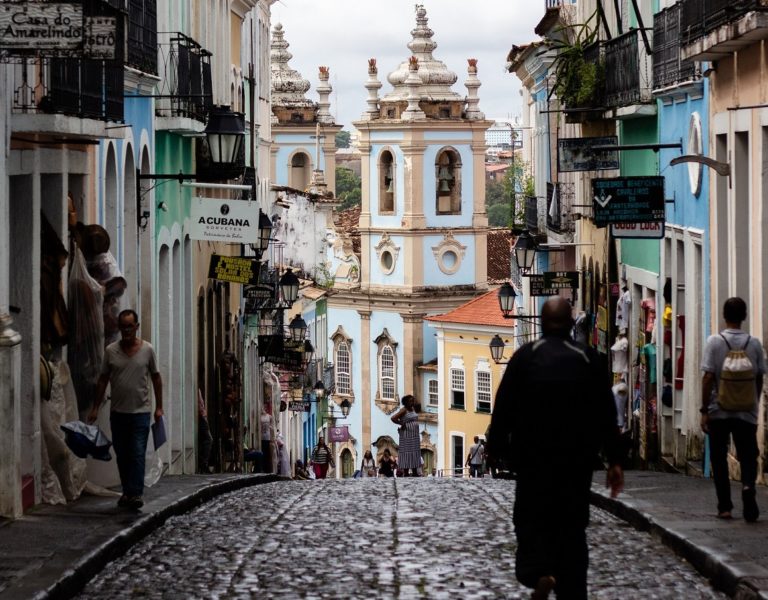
x: 413, y: 82
x: 288, y: 86
x: 473, y: 111
x: 372, y: 85
x: 324, y: 90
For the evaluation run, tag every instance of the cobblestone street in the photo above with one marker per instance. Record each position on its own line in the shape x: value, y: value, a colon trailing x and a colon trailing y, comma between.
x: 383, y: 538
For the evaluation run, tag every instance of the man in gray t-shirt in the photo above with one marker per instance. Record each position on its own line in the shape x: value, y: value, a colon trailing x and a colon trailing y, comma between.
x: 128, y: 367
x: 722, y: 424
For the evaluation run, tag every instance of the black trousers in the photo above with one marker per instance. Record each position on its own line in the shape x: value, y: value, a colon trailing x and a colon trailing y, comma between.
x: 550, y: 525
x: 745, y: 439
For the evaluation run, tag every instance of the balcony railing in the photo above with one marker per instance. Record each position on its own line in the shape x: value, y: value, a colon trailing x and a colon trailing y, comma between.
x: 560, y: 207
x: 669, y: 68
x: 627, y: 70
x: 142, y: 35
x: 583, y: 93
x: 532, y: 214
x: 186, y: 89
x: 700, y: 17
x: 77, y: 87
x: 556, y: 3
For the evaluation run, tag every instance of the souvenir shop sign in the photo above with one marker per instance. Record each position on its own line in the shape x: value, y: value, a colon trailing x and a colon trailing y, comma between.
x: 51, y: 29
x: 561, y: 280
x: 298, y: 406
x: 628, y: 200
x: 652, y: 230
x: 216, y: 220
x: 338, y: 434
x: 235, y: 269
x: 258, y: 297
x: 538, y: 288
x: 578, y: 154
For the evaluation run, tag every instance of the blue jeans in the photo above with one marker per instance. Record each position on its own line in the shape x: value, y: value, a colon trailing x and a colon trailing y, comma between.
x: 130, y: 432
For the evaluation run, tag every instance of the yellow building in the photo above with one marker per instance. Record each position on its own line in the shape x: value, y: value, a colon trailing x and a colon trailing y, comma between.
x: 467, y: 376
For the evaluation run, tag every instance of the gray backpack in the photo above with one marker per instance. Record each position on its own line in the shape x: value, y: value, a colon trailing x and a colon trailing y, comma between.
x: 736, y: 391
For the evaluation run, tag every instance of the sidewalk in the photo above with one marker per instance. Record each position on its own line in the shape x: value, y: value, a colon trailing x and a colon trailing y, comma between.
x: 53, y: 551
x: 681, y: 512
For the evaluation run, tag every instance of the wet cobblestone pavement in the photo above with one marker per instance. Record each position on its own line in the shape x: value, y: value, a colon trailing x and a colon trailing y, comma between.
x: 374, y: 538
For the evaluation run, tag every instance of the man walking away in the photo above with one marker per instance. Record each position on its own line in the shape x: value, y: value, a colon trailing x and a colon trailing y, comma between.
x: 733, y: 366
x: 554, y: 412
x: 475, y: 458
x: 129, y: 365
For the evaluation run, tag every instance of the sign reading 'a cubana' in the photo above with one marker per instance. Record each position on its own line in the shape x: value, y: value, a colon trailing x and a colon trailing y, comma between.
x: 561, y: 280
x: 628, y: 200
x: 41, y: 28
x: 216, y: 220
x: 235, y: 269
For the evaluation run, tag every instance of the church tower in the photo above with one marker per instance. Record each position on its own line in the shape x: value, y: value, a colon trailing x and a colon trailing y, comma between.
x: 303, y: 131
x: 423, y: 232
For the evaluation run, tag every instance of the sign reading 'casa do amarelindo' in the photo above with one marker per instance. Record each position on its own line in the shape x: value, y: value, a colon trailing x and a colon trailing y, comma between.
x: 55, y: 29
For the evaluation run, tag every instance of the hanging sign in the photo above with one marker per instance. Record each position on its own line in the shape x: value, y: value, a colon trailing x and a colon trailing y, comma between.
x: 578, y: 154
x: 538, y: 288
x: 338, y: 434
x: 216, y: 220
x: 652, y: 230
x: 561, y: 280
x: 235, y: 269
x: 628, y: 200
x: 33, y: 26
x: 100, y: 38
x: 298, y: 406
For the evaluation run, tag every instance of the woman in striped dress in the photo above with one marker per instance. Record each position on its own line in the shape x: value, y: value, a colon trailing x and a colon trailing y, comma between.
x: 408, y: 452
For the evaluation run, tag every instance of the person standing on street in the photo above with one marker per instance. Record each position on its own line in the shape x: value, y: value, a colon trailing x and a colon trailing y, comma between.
x: 408, y: 447
x: 128, y: 367
x: 733, y: 366
x: 475, y: 458
x: 554, y: 412
x: 321, y: 458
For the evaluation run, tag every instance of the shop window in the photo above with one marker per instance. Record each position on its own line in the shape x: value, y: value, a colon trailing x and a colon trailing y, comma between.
x: 448, y: 182
x: 457, y: 389
x: 386, y: 183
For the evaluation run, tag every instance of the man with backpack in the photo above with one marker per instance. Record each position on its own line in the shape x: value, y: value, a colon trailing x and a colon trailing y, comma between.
x: 733, y: 366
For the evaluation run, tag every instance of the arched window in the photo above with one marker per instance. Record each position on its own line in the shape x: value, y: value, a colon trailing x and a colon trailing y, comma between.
x: 448, y: 182
x: 300, y: 171
x: 343, y: 369
x: 387, y: 373
x: 386, y: 183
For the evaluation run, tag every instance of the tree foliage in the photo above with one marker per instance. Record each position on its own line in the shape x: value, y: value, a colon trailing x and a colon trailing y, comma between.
x: 349, y: 187
x: 505, y: 199
x: 342, y: 139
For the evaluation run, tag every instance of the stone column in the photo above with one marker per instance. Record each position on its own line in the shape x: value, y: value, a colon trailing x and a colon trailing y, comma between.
x: 324, y: 90
x: 365, y: 367
x: 472, y: 83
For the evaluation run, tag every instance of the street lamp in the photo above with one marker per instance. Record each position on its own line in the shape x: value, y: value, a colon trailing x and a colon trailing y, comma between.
x: 265, y: 234
x: 289, y: 287
x: 225, y: 132
x: 298, y: 329
x: 319, y: 389
x: 497, y: 347
x: 308, y: 352
x: 507, y: 297
x: 345, y: 406
x: 525, y: 251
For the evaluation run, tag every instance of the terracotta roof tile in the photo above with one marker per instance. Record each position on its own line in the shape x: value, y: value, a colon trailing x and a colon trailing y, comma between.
x: 499, y: 252
x: 483, y: 310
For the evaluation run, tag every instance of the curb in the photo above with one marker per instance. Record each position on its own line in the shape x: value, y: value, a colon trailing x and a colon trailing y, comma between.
x: 75, y: 578
x: 722, y: 576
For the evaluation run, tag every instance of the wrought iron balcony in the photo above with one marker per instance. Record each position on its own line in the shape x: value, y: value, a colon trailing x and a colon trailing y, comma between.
x: 142, y: 34
x: 532, y: 214
x: 583, y: 90
x: 560, y: 207
x: 669, y: 66
x: 627, y: 70
x: 556, y: 3
x: 76, y: 87
x: 186, y: 89
x: 699, y: 18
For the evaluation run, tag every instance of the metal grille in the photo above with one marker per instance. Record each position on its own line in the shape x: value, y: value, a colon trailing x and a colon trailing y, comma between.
x: 142, y: 35
x: 700, y: 17
x: 560, y: 199
x: 668, y: 66
x: 532, y: 214
x: 622, y: 70
x: 187, y: 85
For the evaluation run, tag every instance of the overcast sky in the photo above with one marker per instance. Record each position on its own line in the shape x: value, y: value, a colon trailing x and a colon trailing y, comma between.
x: 344, y: 34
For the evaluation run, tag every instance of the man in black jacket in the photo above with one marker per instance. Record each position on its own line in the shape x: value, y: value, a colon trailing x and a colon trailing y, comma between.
x: 554, y: 412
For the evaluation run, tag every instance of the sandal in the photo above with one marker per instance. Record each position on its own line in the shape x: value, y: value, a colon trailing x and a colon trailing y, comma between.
x: 726, y: 514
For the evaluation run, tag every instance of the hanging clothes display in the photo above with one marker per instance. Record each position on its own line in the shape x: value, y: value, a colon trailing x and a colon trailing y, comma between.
x: 619, y: 351
x: 622, y: 309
